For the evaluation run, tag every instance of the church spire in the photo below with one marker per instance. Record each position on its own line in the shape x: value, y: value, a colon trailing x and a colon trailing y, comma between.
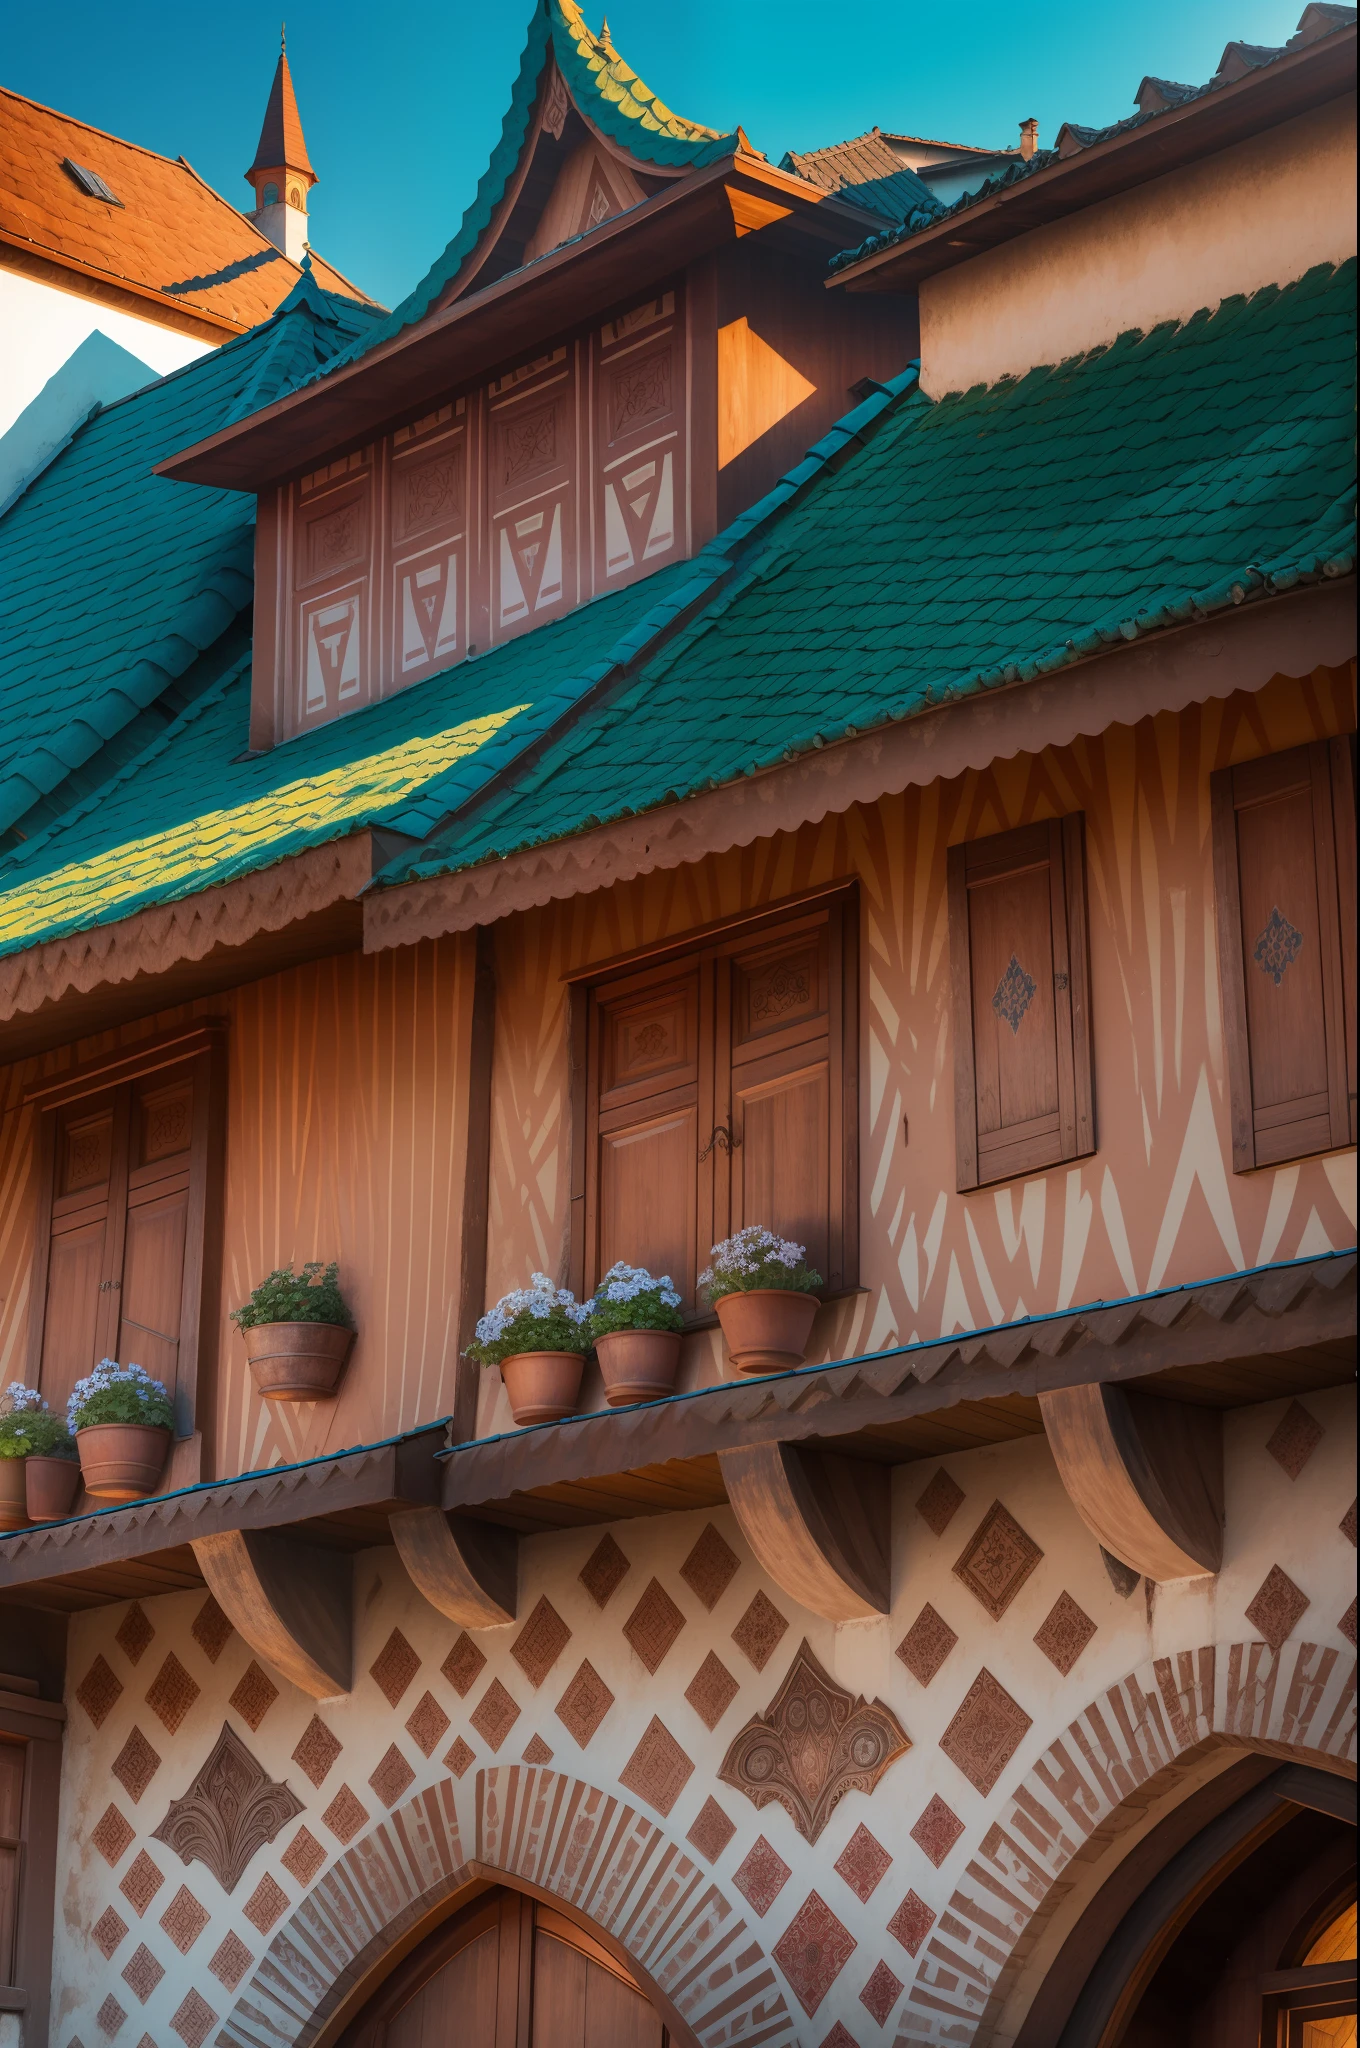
x: 282, y: 174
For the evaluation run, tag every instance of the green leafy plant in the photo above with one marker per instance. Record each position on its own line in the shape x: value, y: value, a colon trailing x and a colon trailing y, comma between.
x: 311, y: 1296
x: 537, y: 1318
x: 755, y: 1257
x: 630, y: 1298
x: 28, y: 1428
x: 39, y: 1435
x: 119, y: 1393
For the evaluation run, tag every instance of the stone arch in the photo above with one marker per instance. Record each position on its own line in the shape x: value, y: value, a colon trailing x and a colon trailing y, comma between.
x: 1297, y: 1704
x: 552, y: 1834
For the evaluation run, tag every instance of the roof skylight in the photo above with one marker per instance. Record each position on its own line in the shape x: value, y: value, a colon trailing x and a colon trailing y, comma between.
x: 90, y: 181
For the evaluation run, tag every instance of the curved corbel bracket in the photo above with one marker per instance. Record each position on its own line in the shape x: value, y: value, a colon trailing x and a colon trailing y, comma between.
x: 819, y: 1524
x: 292, y: 1602
x: 1145, y: 1475
x: 468, y: 1570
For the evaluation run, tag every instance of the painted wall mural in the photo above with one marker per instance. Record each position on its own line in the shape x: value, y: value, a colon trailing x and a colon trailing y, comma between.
x: 233, y: 1886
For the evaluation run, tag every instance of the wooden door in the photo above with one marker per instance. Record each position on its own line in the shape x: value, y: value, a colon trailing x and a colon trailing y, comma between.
x: 508, y: 1972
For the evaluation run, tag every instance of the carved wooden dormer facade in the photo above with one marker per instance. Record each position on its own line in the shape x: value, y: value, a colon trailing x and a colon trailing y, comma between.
x: 627, y: 343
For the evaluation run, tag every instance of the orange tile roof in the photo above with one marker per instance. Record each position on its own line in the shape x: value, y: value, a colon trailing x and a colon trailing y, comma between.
x: 172, y: 239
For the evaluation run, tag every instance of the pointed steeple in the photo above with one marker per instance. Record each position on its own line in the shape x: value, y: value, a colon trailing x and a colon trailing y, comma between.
x: 282, y: 174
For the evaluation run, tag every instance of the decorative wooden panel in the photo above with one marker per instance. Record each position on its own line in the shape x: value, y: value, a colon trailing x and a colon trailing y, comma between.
x: 532, y: 463
x: 721, y: 1089
x: 496, y: 510
x: 641, y: 451
x: 428, y: 593
x: 1022, y: 1057
x: 1284, y: 873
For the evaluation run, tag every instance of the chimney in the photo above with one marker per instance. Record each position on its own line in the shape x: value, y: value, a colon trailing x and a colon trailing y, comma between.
x: 1029, y: 138
x: 281, y: 173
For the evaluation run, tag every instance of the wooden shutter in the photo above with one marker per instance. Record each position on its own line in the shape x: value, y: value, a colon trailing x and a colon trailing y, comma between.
x: 786, y: 1056
x: 1284, y: 881
x: 1021, y: 1000
x: 716, y: 1088
x: 130, y: 1197
x: 651, y: 1065
x: 12, y: 1759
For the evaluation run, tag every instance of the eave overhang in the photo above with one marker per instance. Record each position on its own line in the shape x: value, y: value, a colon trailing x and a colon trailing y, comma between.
x: 1241, y: 648
x: 1217, y: 1343
x: 482, y: 329
x: 1181, y: 135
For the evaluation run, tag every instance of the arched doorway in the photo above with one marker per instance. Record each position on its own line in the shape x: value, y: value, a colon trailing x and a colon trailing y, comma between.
x: 1238, y: 1930
x: 508, y: 1968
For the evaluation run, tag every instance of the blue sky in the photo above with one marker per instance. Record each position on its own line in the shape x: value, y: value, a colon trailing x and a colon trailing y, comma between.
x: 402, y: 102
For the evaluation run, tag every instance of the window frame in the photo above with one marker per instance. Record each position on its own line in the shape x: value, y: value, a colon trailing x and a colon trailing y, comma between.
x: 200, y: 1048
x: 39, y: 1725
x: 835, y: 905
x: 1330, y: 773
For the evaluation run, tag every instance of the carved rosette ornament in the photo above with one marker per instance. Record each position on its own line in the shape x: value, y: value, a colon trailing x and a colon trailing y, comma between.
x: 814, y: 1743
x: 232, y: 1809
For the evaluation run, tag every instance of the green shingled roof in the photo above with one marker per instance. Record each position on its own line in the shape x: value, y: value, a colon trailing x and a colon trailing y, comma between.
x: 113, y: 581
x: 615, y: 100
x: 192, y: 810
x: 990, y: 537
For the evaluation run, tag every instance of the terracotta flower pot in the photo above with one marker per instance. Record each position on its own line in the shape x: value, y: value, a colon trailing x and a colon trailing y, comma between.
x: 543, y: 1385
x: 51, y: 1486
x: 298, y: 1361
x: 13, y: 1500
x: 767, y: 1329
x: 638, y: 1365
x: 122, y: 1460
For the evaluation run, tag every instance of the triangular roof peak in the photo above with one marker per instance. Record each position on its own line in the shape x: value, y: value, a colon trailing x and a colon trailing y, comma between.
x: 572, y: 84
x: 282, y: 146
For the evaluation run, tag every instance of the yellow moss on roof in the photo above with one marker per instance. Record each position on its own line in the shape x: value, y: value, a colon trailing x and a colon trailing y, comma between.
x: 114, y: 882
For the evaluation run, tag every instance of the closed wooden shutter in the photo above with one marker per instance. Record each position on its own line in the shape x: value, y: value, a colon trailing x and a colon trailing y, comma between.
x: 717, y: 1088
x: 12, y: 1758
x: 131, y: 1194
x: 1284, y: 877
x: 649, y: 1050
x: 1021, y: 1001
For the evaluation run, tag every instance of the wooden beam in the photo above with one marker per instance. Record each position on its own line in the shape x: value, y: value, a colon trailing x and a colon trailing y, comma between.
x: 1145, y: 1475
x: 468, y: 1570
x: 292, y: 1602
x: 817, y: 1522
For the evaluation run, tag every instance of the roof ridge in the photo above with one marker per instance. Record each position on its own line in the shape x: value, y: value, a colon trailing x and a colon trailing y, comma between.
x: 107, y: 135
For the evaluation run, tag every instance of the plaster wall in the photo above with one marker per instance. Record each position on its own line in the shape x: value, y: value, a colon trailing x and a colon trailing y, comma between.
x: 42, y: 326
x: 414, y: 1775
x: 1260, y: 213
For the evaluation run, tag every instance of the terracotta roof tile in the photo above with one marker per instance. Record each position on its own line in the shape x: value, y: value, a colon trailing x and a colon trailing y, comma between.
x: 170, y: 238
